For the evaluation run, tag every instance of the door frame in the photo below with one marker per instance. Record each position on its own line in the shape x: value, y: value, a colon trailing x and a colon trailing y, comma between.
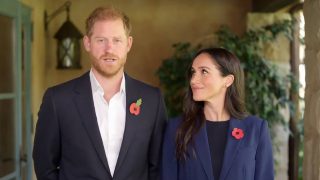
x: 21, y: 15
x: 26, y: 22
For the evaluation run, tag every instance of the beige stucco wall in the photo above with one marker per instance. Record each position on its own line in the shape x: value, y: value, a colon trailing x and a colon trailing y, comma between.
x: 156, y: 26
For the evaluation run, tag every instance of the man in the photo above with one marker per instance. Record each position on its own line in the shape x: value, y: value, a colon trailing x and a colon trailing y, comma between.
x: 103, y: 125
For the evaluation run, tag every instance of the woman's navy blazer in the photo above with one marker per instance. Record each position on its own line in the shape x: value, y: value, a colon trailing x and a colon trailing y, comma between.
x: 248, y: 158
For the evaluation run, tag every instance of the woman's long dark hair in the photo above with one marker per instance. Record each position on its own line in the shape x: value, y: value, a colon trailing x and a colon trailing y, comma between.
x: 193, y: 113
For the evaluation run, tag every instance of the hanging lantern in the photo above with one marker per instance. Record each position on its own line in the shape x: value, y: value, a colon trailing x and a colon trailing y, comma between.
x: 68, y: 39
x: 68, y: 51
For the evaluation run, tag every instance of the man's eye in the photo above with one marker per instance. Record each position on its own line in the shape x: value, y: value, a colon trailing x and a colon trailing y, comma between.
x: 100, y: 40
x: 117, y: 40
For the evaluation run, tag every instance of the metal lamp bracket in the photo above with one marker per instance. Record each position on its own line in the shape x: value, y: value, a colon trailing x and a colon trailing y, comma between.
x: 48, y: 18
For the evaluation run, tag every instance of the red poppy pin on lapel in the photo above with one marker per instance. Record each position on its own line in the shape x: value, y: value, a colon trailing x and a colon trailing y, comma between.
x: 135, y: 107
x: 237, y: 133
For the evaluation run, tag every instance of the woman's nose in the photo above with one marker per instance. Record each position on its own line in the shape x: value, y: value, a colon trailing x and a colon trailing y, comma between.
x: 194, y: 79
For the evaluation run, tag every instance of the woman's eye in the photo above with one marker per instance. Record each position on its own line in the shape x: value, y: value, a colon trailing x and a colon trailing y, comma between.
x: 204, y: 71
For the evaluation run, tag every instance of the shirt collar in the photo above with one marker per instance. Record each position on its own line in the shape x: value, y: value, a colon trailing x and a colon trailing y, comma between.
x: 96, y: 87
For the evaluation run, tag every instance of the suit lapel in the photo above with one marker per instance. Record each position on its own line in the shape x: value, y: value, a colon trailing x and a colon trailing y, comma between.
x: 232, y: 147
x: 132, y: 121
x: 203, y: 151
x: 84, y: 103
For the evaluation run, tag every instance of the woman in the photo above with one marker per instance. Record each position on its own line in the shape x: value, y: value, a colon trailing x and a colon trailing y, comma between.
x: 215, y: 139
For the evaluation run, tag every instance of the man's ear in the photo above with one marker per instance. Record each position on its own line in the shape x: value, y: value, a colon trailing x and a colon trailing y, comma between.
x: 86, y: 42
x: 129, y: 45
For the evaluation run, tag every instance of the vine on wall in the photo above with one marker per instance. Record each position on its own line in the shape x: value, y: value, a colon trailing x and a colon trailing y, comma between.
x: 266, y: 90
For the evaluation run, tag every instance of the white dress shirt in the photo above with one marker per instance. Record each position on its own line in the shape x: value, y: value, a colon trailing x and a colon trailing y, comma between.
x: 111, y: 119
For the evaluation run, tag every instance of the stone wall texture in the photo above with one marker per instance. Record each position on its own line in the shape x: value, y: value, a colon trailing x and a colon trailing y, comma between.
x: 278, y: 53
x: 311, y: 163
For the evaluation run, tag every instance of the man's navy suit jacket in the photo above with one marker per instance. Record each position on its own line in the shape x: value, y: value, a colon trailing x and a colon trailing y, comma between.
x: 248, y: 158
x: 68, y: 144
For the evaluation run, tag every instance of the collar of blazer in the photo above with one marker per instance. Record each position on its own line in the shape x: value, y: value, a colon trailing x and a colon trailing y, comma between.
x: 84, y: 102
x: 132, y: 95
x: 232, y: 146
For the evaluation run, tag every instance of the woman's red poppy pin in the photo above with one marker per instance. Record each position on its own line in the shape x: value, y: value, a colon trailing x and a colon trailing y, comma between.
x: 135, y: 107
x: 237, y: 133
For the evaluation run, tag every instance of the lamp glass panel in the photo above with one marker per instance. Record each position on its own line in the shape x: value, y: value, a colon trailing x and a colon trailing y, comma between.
x: 69, y: 53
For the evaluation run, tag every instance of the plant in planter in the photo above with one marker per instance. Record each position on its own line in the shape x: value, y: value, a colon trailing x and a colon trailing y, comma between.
x: 172, y: 75
x: 265, y: 91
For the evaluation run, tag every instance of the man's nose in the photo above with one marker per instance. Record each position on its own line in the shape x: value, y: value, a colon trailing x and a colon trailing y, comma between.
x: 107, y: 46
